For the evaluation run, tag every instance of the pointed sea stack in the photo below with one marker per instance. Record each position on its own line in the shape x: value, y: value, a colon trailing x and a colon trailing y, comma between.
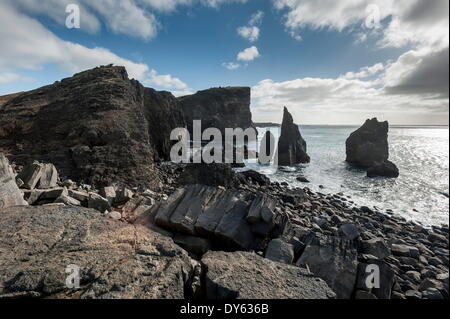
x: 291, y: 146
x: 368, y: 148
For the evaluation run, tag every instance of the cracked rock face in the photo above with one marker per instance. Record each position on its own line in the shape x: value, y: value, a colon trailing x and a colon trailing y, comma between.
x: 236, y: 220
x: 244, y: 275
x: 98, y: 127
x: 116, y: 260
x: 219, y: 108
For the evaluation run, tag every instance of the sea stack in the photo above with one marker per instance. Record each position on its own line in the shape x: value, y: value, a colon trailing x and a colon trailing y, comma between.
x: 219, y: 108
x: 291, y: 146
x: 368, y: 148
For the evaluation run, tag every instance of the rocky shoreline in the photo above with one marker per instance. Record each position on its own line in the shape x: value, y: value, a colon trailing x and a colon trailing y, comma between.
x: 85, y: 184
x: 236, y: 223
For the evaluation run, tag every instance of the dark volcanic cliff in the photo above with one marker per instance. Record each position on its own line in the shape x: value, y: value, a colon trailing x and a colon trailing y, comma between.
x: 97, y: 126
x: 219, y: 108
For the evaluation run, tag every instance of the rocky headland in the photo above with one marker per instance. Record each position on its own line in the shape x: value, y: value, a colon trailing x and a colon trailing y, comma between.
x: 79, y: 189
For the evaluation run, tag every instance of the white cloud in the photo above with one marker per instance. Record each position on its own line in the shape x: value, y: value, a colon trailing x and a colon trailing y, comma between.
x: 249, y: 33
x: 125, y: 17
x: 31, y: 46
x: 165, y: 5
x: 217, y: 3
x: 56, y: 10
x: 412, y: 21
x: 365, y: 72
x: 248, y: 54
x: 177, y: 93
x: 420, y: 72
x: 165, y: 81
x: 411, y: 90
x: 9, y: 77
x: 256, y: 18
x: 312, y: 100
x: 231, y: 65
x: 134, y: 18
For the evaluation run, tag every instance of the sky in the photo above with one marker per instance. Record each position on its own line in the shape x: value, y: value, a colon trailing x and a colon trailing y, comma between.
x: 330, y: 62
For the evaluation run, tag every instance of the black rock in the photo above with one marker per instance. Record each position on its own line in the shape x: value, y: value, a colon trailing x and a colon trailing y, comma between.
x: 302, y: 179
x: 385, y: 169
x: 291, y: 146
x: 219, y: 108
x: 368, y: 145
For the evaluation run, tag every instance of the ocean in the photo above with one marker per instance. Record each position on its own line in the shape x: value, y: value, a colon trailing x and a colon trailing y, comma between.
x: 420, y: 152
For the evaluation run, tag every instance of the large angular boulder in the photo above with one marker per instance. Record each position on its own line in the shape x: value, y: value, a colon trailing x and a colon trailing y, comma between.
x: 385, y: 169
x: 10, y: 195
x: 115, y: 259
x: 368, y: 147
x: 291, y: 145
x: 334, y: 260
x: 280, y: 251
x: 382, y: 269
x: 233, y: 219
x: 245, y: 275
x: 97, y: 127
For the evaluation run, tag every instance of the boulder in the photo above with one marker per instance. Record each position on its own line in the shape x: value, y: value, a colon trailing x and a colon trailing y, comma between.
x: 245, y: 275
x: 291, y: 145
x: 219, y: 214
x: 349, y: 231
x: 387, y: 277
x: 280, y: 251
x: 67, y: 200
x: 302, y: 179
x: 81, y: 196
x: 375, y: 247
x: 31, y: 175
x: 255, y: 177
x: 49, y: 177
x: 52, y: 194
x: 405, y: 251
x: 109, y: 193
x: 384, y: 169
x: 116, y: 260
x: 195, y: 245
x: 99, y: 203
x: 10, y: 195
x: 209, y: 175
x: 123, y: 196
x: 334, y: 260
